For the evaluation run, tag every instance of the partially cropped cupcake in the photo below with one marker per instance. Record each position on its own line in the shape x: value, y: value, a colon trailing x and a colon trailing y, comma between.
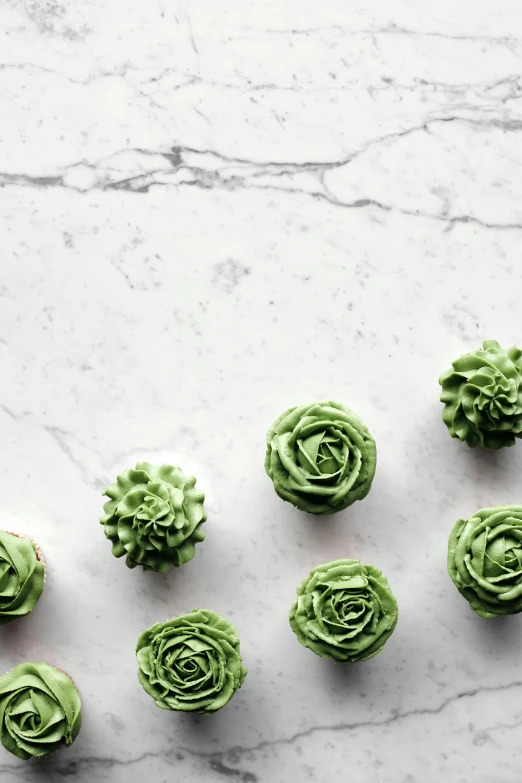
x: 482, y: 396
x: 320, y: 457
x: 191, y: 663
x: 40, y: 710
x: 22, y: 576
x: 485, y: 560
x: 344, y: 610
x: 154, y: 516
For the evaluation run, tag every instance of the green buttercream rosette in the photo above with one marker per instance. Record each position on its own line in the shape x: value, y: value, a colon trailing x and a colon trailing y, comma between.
x: 320, y: 457
x: 40, y: 710
x: 482, y: 396
x: 485, y: 560
x: 22, y: 577
x: 345, y: 611
x: 191, y: 663
x: 153, y: 516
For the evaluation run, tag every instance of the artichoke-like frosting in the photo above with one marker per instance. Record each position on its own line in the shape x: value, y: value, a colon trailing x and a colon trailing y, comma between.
x: 153, y: 516
x: 40, y: 710
x: 485, y: 560
x: 22, y: 576
x: 191, y: 663
x: 320, y: 457
x: 482, y: 396
x: 345, y: 611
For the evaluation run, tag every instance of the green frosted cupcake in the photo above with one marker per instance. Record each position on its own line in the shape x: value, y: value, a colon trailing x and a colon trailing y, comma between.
x: 191, y: 663
x: 40, y: 710
x: 482, y: 396
x: 345, y: 611
x: 154, y: 516
x: 22, y: 576
x: 320, y: 457
x: 485, y: 560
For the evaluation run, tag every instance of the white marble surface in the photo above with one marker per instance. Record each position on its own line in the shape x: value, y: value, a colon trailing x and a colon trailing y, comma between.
x: 211, y: 211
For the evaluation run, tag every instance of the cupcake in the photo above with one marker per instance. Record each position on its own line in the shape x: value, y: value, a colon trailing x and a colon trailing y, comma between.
x: 191, y: 663
x: 154, y: 517
x: 345, y: 611
x: 484, y: 560
x: 482, y: 396
x: 40, y: 710
x: 22, y: 575
x: 320, y: 457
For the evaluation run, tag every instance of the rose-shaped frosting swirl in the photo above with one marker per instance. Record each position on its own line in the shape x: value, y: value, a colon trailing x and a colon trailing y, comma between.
x: 344, y: 610
x: 40, y: 710
x: 482, y: 396
x: 191, y: 663
x: 485, y: 560
x: 21, y: 577
x: 320, y: 457
x: 154, y: 516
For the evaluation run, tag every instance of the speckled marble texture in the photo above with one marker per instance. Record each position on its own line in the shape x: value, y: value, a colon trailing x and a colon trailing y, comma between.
x: 211, y: 211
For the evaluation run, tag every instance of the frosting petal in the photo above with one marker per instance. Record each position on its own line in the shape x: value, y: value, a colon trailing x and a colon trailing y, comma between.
x: 485, y: 560
x: 320, y: 457
x: 482, y: 396
x: 344, y: 610
x: 153, y: 516
x: 21, y: 577
x: 40, y: 710
x: 191, y: 663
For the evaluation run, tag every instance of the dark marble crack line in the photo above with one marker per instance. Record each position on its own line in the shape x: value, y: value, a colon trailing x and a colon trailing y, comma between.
x: 176, y: 158
x: 216, y: 759
x: 501, y: 40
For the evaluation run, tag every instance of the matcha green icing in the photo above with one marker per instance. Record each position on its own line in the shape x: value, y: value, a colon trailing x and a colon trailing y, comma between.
x: 482, y: 396
x: 40, y: 710
x: 191, y: 663
x: 320, y: 457
x: 21, y: 577
x: 153, y: 517
x: 345, y: 611
x: 485, y: 560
